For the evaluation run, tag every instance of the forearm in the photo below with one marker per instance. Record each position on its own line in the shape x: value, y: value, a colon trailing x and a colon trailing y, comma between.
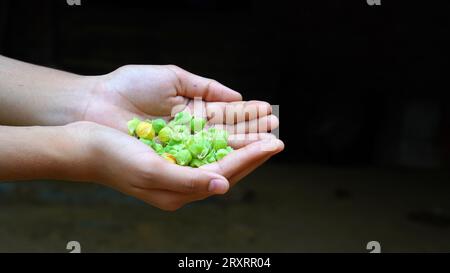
x: 35, y: 95
x: 43, y: 153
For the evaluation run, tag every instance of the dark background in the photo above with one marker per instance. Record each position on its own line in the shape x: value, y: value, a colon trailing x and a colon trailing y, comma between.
x: 363, y: 112
x: 356, y: 84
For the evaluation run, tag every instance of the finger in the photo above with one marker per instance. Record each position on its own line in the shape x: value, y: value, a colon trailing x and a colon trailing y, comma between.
x: 234, y: 112
x: 177, y: 178
x: 239, y: 160
x: 241, y: 140
x: 196, y: 86
x: 196, y: 196
x: 261, y: 125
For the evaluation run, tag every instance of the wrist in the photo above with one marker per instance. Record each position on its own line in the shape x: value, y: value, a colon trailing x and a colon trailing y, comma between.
x: 53, y: 152
x: 86, y: 88
x: 81, y: 158
x: 34, y: 95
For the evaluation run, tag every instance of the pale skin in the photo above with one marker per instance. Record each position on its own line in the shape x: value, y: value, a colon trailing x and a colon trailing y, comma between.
x: 62, y: 126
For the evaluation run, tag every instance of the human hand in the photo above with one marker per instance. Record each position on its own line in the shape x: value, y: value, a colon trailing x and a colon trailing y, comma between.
x: 129, y: 166
x: 51, y: 98
x: 148, y: 91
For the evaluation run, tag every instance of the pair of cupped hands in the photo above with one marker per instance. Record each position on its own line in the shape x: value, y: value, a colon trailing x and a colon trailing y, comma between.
x: 148, y: 92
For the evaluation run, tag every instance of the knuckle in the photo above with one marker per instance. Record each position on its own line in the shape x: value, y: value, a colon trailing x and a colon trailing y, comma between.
x: 190, y: 184
x: 208, y: 89
x: 211, y: 82
x: 173, y: 67
x: 124, y: 67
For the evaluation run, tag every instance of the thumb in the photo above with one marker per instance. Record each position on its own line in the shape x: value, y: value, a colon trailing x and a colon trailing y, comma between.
x: 188, y: 180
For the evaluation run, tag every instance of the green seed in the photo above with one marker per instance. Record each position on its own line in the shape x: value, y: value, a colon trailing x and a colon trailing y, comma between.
x: 165, y: 134
x: 180, y: 133
x: 145, y: 130
x: 211, y: 157
x: 198, y: 146
x: 221, y: 153
x: 158, y: 124
x: 132, y: 125
x: 182, y: 118
x: 197, y: 124
x: 169, y: 157
x: 219, y: 143
x: 146, y: 141
x: 182, y: 141
x: 183, y: 157
x: 158, y: 148
x: 196, y: 163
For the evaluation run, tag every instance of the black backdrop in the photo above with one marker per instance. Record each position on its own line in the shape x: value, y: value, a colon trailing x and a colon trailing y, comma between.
x: 356, y: 84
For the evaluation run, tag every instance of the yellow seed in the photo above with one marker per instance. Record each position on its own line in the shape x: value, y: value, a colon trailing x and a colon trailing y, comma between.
x: 145, y: 130
x: 169, y: 158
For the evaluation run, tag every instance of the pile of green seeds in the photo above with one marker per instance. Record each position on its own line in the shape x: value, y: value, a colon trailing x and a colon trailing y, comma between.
x: 184, y: 140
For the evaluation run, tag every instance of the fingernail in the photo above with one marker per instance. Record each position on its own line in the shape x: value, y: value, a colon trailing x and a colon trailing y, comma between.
x: 218, y: 186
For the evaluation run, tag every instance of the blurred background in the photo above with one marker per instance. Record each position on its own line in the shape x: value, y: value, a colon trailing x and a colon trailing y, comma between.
x: 363, y: 112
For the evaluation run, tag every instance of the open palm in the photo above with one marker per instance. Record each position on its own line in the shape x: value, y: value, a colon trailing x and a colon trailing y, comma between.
x: 148, y: 91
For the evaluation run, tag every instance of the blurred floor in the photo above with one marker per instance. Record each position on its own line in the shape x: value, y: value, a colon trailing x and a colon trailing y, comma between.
x: 279, y: 208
